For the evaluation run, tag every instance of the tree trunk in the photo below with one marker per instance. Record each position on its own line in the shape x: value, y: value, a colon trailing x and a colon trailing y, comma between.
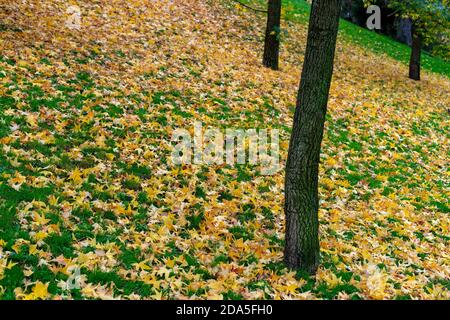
x: 416, y: 50
x: 272, y: 39
x: 302, y: 168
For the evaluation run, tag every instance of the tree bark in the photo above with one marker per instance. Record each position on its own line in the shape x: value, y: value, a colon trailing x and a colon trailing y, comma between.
x: 416, y: 51
x: 302, y: 168
x: 272, y: 38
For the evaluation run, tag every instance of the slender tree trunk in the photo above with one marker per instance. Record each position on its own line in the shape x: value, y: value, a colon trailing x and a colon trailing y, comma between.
x: 302, y: 168
x: 416, y: 50
x: 272, y: 39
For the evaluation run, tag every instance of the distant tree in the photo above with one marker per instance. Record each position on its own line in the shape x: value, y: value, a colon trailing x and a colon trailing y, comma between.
x: 302, y: 168
x: 430, y: 21
x: 272, y: 38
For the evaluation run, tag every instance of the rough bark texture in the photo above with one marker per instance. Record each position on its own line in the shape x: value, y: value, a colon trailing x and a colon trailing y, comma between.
x: 272, y: 38
x: 302, y: 168
x: 416, y: 50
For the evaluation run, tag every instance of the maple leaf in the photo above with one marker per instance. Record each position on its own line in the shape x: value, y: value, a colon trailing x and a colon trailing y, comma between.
x: 87, y: 124
x: 142, y: 265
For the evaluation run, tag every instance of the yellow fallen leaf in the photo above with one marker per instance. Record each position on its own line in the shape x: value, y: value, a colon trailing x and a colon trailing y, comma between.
x: 22, y: 63
x: 17, y: 181
x: 331, y: 162
x: 31, y: 120
x: 41, y: 235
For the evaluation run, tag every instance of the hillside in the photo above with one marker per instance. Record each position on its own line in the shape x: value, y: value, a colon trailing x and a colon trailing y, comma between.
x: 88, y: 192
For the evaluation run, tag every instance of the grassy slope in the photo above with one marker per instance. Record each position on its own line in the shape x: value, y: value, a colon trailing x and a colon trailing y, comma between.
x: 298, y: 10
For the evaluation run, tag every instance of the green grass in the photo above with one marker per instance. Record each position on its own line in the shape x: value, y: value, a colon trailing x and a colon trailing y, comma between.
x: 298, y: 11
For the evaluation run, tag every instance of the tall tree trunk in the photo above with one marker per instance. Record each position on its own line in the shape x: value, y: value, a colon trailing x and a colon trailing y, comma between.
x: 272, y: 39
x: 302, y: 168
x: 416, y: 50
